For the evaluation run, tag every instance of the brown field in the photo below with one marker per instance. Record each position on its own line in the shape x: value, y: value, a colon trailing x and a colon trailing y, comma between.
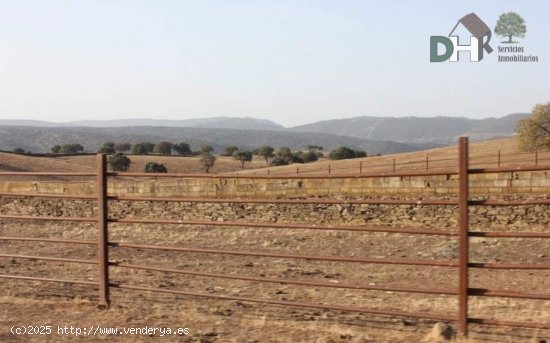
x: 88, y: 163
x: 40, y: 303
x: 44, y: 303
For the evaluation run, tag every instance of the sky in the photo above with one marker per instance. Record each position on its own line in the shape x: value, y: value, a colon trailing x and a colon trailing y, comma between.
x: 290, y: 61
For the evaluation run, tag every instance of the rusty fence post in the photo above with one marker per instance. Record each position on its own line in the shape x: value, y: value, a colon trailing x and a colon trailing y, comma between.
x: 536, y: 157
x: 394, y: 165
x: 329, y: 168
x: 360, y: 167
x: 463, y: 202
x: 498, y: 158
x: 103, y: 248
x: 427, y: 162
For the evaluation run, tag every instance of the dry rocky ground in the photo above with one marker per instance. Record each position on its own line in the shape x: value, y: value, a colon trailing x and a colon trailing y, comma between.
x: 40, y: 303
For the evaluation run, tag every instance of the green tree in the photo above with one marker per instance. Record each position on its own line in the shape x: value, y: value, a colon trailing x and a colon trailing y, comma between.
x: 164, y: 148
x: 284, y: 152
x: 154, y: 167
x: 71, y: 148
x: 314, y: 147
x: 278, y: 161
x: 510, y: 25
x: 143, y: 148
x: 119, y: 162
x: 56, y: 149
x: 19, y: 151
x: 266, y: 152
x: 309, y: 156
x: 123, y: 147
x: 534, y: 132
x: 207, y: 161
x: 182, y: 149
x: 230, y: 150
x: 107, y: 148
x: 206, y: 148
x: 344, y: 152
x: 243, y: 156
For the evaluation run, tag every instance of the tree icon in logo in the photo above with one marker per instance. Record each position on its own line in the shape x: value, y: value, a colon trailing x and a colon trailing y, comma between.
x: 510, y: 25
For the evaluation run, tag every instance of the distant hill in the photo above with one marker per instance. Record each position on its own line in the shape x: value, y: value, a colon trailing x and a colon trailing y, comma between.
x: 439, y: 130
x: 41, y: 139
x: 245, y: 123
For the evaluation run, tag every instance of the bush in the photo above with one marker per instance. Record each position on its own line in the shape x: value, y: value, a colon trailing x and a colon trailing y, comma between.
x: 154, y: 167
x: 206, y: 148
x: 309, y: 156
x: 68, y: 149
x: 119, y: 162
x: 230, y: 150
x: 123, y: 147
x: 19, y: 151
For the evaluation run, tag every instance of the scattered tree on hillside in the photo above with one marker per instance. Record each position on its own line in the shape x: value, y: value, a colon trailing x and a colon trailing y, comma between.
x: 284, y: 152
x: 309, y: 156
x: 534, y: 132
x: 230, y: 150
x: 71, y: 148
x: 314, y: 147
x: 243, y: 156
x: 266, y: 152
x: 19, y: 151
x: 123, y: 147
x: 119, y: 162
x: 510, y: 25
x: 206, y: 148
x: 154, y: 167
x: 278, y: 161
x: 56, y: 149
x: 182, y: 149
x: 344, y: 153
x: 207, y: 161
x: 163, y: 148
x: 143, y: 148
x: 107, y: 148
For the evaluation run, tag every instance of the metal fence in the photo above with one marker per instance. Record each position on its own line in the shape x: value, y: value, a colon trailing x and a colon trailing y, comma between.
x: 462, y: 233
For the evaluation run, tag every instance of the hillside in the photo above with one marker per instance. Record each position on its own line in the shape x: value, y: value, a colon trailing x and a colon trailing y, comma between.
x: 41, y: 139
x: 482, y: 154
x: 441, y: 130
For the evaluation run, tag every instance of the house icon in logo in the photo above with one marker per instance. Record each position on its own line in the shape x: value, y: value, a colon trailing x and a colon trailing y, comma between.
x: 479, y: 41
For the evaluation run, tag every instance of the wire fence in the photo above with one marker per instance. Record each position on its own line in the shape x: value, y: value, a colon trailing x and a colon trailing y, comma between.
x: 462, y: 233
x: 392, y: 165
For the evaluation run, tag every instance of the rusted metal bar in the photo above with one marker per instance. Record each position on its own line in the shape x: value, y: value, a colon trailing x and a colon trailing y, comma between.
x: 45, y: 174
x: 291, y: 303
x: 103, y: 240
x: 32, y: 278
x: 288, y: 281
x: 286, y: 226
x: 510, y: 234
x: 433, y: 263
x: 509, y: 323
x: 44, y: 195
x: 48, y: 240
x: 483, y: 265
x: 64, y: 219
x: 508, y: 169
x: 484, y: 292
x: 463, y: 197
x: 48, y: 258
x: 307, y: 201
x: 489, y: 202
x: 287, y: 176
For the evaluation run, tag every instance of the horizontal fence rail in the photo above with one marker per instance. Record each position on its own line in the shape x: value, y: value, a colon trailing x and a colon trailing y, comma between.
x: 461, y: 167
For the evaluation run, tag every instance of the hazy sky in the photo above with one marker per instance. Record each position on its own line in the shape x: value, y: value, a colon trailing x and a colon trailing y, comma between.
x: 290, y: 61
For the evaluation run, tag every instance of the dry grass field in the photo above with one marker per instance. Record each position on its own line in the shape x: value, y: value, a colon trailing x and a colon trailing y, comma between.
x: 219, y: 321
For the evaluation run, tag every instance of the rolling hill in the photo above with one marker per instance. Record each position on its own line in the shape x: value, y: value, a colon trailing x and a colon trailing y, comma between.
x: 41, y: 139
x: 439, y: 130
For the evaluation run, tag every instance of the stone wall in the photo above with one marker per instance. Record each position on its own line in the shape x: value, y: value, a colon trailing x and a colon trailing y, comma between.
x: 480, y: 184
